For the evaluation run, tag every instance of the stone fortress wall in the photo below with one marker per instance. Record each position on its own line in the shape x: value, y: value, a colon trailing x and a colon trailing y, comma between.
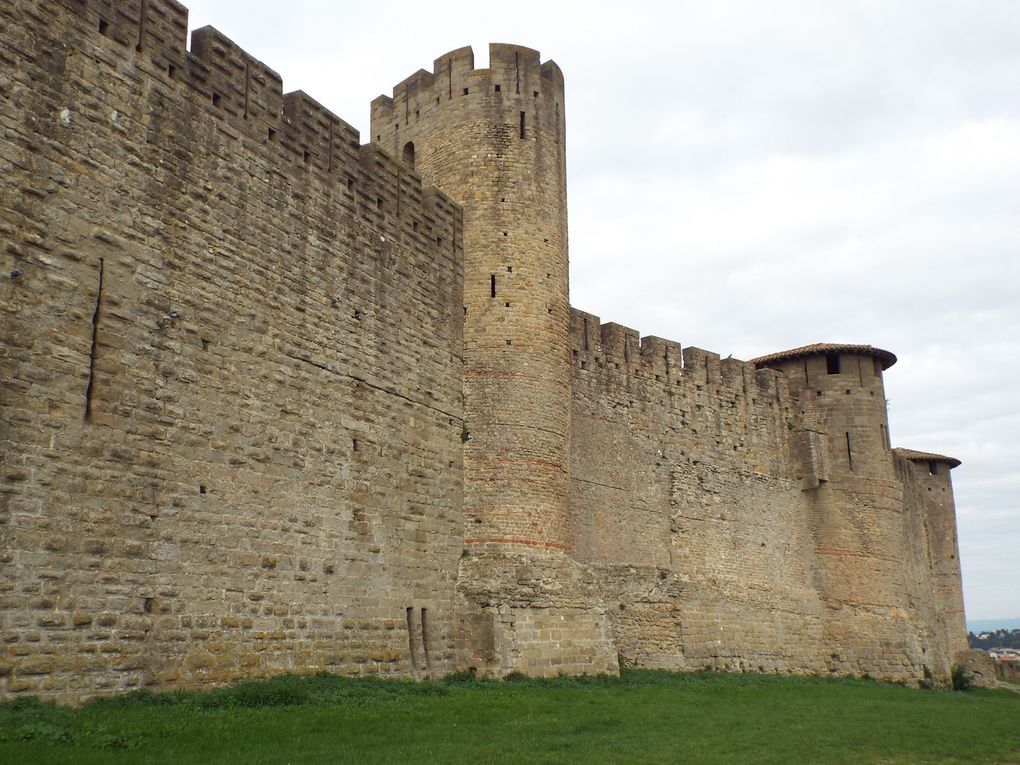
x: 271, y: 402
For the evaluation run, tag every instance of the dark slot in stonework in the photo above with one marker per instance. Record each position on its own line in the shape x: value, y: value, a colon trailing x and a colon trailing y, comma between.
x: 90, y: 387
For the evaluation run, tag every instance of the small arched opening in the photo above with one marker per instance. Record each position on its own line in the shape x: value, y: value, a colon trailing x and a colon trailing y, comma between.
x: 409, y: 154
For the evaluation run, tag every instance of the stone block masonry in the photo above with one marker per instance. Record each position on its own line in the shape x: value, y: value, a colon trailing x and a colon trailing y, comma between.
x: 231, y: 369
x: 274, y: 400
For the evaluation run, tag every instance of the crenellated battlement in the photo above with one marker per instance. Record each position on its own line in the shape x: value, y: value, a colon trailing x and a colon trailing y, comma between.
x: 516, y: 80
x: 621, y: 348
x: 219, y: 78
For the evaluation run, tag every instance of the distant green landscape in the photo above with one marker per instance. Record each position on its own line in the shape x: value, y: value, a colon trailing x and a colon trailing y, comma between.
x: 640, y: 717
x: 994, y: 639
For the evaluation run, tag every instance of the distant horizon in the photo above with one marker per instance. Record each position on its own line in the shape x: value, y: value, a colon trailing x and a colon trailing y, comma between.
x: 980, y: 625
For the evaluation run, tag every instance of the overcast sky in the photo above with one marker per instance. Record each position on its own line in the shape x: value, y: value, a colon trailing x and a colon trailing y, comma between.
x: 753, y: 176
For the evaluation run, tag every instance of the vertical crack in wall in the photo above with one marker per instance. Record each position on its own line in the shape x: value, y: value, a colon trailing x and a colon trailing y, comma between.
x: 141, y: 25
x: 95, y: 344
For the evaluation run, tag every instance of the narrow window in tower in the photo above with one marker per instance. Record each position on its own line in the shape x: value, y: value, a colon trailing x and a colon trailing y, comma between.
x: 832, y: 363
x: 933, y: 467
x: 585, y: 340
x: 409, y: 154
x: 522, y: 124
x: 104, y: 27
x: 492, y: 286
x: 497, y: 88
x: 465, y: 91
x: 849, y: 452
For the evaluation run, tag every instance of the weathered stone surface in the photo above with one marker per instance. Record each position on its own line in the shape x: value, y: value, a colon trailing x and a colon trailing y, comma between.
x: 273, y: 403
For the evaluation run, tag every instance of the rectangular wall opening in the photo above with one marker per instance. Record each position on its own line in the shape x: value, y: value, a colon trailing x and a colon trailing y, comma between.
x: 425, y: 639
x: 849, y: 453
x: 492, y: 285
x: 523, y: 119
x: 832, y: 363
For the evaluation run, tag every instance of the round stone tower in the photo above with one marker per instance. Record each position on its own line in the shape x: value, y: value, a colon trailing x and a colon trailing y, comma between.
x: 493, y: 140
x: 935, y: 492
x: 857, y: 509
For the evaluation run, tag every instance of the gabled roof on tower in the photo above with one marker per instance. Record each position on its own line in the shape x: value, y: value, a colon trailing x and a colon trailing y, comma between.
x: 915, y: 456
x: 820, y: 349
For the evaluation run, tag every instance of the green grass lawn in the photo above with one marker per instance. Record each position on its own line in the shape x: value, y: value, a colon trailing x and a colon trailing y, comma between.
x: 641, y: 717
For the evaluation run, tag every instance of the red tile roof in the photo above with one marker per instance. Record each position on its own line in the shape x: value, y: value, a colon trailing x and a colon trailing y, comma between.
x: 915, y: 456
x: 818, y: 349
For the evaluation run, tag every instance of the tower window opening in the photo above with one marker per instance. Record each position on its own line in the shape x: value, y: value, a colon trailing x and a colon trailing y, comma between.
x: 832, y: 363
x: 933, y: 467
x: 465, y: 91
x: 497, y: 88
x: 509, y: 269
x: 104, y: 27
x: 492, y: 285
x: 536, y: 94
x: 523, y: 119
x: 408, y: 154
x: 849, y: 453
